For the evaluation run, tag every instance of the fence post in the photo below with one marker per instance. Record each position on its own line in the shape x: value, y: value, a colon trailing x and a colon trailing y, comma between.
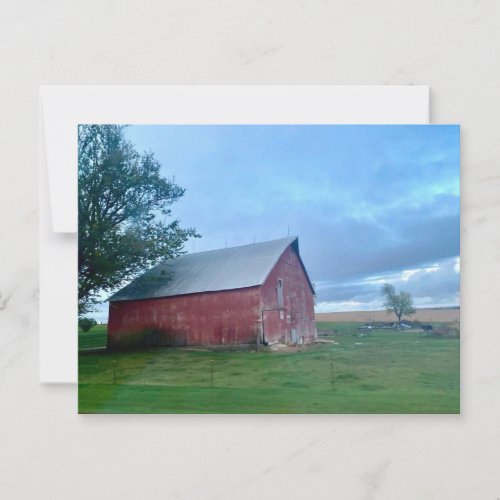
x: 332, y: 372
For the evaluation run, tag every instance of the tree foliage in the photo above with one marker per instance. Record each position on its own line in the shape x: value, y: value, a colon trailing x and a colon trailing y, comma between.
x: 125, y: 224
x: 86, y: 323
x: 401, y: 304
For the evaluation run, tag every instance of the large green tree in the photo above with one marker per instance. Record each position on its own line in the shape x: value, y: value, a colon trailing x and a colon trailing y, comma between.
x: 125, y: 223
x: 401, y: 304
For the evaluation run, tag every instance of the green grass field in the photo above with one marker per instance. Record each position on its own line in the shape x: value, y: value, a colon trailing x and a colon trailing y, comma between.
x: 385, y: 372
x: 94, y: 339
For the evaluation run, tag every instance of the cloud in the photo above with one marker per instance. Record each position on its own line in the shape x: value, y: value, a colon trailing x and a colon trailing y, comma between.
x: 435, y: 285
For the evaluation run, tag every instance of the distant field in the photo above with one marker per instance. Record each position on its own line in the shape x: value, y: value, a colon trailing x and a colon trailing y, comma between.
x: 385, y: 372
x: 424, y: 315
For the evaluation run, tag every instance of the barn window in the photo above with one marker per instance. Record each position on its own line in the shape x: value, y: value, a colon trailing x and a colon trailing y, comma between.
x: 279, y: 293
x: 282, y: 314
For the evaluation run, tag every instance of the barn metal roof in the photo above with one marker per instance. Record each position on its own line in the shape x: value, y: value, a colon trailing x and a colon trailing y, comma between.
x: 215, y: 270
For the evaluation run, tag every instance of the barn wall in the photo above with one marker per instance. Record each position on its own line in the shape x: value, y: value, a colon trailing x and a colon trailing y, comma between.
x: 213, y: 318
x: 298, y: 302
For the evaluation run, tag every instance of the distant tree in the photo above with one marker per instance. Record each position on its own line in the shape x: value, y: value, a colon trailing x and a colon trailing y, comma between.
x: 401, y: 304
x: 86, y: 323
x: 124, y: 216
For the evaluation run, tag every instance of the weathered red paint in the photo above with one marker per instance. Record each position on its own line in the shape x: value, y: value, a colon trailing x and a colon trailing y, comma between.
x: 242, y: 316
x: 298, y: 302
x: 211, y: 318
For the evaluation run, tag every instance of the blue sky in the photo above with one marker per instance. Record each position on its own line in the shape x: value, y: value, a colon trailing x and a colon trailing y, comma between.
x: 370, y: 204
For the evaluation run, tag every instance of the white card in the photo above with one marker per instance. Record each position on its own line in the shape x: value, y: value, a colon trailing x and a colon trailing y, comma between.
x: 62, y: 108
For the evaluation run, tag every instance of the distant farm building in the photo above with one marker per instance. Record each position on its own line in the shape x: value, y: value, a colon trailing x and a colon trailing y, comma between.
x: 252, y: 294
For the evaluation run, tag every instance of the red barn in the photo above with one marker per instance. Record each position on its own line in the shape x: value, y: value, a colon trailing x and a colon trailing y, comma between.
x: 252, y: 294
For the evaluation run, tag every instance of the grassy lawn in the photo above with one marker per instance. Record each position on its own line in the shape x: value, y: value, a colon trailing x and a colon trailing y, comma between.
x: 95, y: 338
x: 385, y: 372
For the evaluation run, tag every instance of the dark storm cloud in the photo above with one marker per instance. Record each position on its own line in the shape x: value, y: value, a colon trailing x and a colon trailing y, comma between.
x: 394, y: 240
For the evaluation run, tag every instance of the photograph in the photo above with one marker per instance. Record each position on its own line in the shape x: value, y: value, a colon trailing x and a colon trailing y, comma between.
x: 269, y: 269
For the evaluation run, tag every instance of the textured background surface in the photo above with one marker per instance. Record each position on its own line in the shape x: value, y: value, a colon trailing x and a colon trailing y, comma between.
x: 48, y: 451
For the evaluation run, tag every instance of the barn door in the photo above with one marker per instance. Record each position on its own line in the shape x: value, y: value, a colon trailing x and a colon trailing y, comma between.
x: 294, y: 335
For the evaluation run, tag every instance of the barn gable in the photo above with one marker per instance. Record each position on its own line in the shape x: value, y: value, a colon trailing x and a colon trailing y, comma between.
x: 216, y: 270
x: 287, y: 302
